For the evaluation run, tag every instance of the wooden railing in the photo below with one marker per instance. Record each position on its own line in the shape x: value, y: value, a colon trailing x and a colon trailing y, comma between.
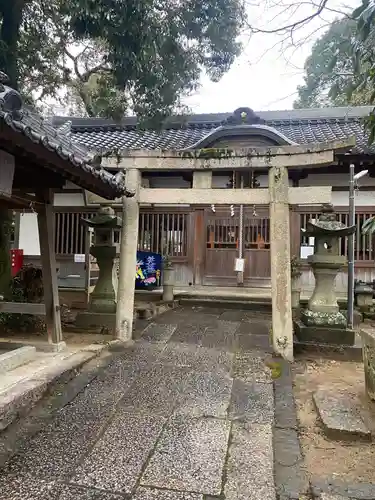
x: 70, y: 233
x: 163, y: 232
x: 364, y: 247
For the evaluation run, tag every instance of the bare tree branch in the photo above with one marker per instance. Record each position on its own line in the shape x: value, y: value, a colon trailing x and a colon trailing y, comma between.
x: 292, y: 26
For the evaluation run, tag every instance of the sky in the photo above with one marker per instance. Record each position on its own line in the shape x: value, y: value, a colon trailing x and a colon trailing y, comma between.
x: 266, y: 75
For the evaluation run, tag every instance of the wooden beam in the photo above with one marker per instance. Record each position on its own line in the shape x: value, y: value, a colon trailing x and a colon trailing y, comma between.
x: 31, y: 177
x: 23, y: 308
x: 47, y: 254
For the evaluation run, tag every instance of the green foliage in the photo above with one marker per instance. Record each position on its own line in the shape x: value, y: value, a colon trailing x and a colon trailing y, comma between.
x: 109, y: 57
x: 368, y: 227
x: 6, y: 229
x: 336, y: 69
x: 26, y: 286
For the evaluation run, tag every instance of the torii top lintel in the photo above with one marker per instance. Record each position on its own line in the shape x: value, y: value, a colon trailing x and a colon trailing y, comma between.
x: 290, y: 156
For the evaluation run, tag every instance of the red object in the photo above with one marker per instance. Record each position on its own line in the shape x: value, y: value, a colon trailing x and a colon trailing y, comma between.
x: 16, y: 258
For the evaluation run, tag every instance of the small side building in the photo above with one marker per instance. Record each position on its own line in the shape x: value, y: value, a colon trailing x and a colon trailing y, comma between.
x: 37, y: 161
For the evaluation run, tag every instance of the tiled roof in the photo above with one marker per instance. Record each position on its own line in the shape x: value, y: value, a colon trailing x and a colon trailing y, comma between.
x: 302, y: 126
x: 27, y: 122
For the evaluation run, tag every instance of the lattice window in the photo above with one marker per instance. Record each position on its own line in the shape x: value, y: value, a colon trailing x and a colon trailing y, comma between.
x: 70, y: 233
x: 364, y: 245
x: 223, y: 232
x: 164, y: 233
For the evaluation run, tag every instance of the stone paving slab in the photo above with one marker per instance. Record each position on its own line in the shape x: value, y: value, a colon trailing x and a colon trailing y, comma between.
x: 221, y: 335
x: 339, y: 488
x: 155, y: 424
x: 57, y: 449
x: 192, y: 315
x: 117, y: 459
x: 250, y: 367
x: 248, y: 342
x: 75, y: 493
x: 190, y: 456
x: 189, y: 333
x: 340, y: 414
x: 154, y: 494
x: 206, y: 394
x: 157, y: 390
x: 252, y: 402
x: 13, y: 487
x: 29, y: 488
x: 328, y: 496
x: 255, y: 327
x: 141, y: 353
x: 195, y: 357
x: 249, y: 472
x: 155, y: 332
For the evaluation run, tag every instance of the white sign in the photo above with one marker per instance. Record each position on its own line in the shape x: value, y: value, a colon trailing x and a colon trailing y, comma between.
x: 6, y: 173
x: 311, y: 241
x: 239, y: 265
x: 79, y: 257
x: 306, y: 251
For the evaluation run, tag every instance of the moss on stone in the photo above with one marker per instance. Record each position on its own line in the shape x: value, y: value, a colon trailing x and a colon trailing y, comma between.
x: 214, y: 153
x: 276, y: 369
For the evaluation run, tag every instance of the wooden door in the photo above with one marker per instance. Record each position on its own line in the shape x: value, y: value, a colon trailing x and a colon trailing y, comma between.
x: 222, y: 247
x: 256, y: 240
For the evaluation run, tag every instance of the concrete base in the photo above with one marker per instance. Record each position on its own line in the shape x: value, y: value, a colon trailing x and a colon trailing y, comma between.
x: 335, y: 352
x: 100, y: 321
x: 16, y: 356
x: 324, y: 334
x: 50, y: 347
x: 368, y: 341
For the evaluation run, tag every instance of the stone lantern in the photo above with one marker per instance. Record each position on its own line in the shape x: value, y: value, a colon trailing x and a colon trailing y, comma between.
x: 322, y: 321
x: 105, y: 246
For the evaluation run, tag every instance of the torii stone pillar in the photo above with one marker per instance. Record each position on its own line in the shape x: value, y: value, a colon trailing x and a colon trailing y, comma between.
x: 282, y: 324
x: 128, y: 258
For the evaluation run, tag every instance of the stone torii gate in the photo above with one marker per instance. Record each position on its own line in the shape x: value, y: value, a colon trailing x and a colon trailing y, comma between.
x: 278, y: 196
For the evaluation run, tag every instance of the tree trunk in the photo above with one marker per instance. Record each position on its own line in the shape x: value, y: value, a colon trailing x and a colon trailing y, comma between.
x: 5, y: 264
x: 11, y: 18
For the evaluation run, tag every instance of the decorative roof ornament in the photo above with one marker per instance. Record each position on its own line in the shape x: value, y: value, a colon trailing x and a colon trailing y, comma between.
x: 244, y: 116
x: 65, y: 128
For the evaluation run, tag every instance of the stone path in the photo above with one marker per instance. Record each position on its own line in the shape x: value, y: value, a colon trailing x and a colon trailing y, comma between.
x: 185, y: 414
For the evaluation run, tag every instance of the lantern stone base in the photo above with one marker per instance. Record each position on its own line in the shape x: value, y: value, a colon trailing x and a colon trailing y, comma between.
x: 89, y: 319
x: 332, y: 335
x: 323, y: 319
x: 368, y: 352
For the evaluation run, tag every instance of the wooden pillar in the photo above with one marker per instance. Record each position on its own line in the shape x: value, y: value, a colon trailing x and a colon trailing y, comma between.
x: 128, y: 258
x: 201, y: 180
x: 295, y: 231
x: 199, y: 245
x: 282, y: 326
x: 49, y: 272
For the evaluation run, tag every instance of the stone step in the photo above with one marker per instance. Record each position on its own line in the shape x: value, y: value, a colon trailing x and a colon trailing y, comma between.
x: 228, y: 303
